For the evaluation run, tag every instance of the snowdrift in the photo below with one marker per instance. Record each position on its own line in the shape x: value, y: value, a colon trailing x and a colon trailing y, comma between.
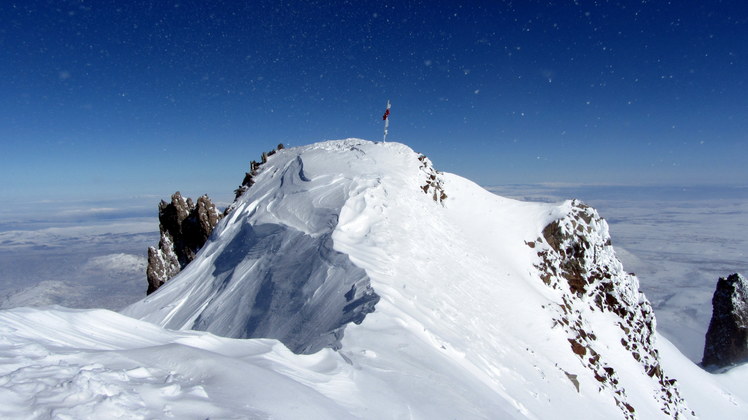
x: 393, y: 291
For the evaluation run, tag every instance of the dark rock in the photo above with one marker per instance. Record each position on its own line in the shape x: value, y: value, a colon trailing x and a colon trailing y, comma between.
x: 185, y: 227
x: 727, y: 338
x: 434, y: 183
x: 238, y: 193
x: 248, y: 181
x: 577, y: 348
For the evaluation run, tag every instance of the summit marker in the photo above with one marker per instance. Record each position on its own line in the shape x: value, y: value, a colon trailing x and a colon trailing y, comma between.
x: 386, y: 118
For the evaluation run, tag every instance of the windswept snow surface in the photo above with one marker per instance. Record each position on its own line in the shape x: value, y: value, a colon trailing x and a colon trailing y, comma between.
x: 331, y: 231
x: 94, y: 364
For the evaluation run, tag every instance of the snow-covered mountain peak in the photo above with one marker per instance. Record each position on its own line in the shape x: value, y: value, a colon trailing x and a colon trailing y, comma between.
x: 274, y: 270
x: 431, y: 266
x: 400, y: 291
x: 306, y: 187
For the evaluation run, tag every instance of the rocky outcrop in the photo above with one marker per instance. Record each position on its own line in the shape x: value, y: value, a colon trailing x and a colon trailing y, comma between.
x: 434, y: 185
x: 249, y: 177
x: 576, y: 258
x: 727, y: 337
x: 184, y: 227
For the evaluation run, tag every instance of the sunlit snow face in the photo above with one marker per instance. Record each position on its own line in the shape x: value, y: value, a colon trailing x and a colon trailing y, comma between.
x: 678, y: 241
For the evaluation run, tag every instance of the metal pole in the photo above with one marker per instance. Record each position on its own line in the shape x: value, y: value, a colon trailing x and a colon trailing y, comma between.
x: 386, y: 121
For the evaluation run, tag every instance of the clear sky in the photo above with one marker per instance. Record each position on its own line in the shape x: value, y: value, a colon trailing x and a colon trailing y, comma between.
x: 107, y: 98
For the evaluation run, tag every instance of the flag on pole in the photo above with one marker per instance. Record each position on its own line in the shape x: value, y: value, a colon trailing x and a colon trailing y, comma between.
x: 386, y: 118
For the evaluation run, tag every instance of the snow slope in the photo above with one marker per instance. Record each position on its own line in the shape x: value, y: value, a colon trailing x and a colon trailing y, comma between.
x: 93, y: 364
x: 440, y: 299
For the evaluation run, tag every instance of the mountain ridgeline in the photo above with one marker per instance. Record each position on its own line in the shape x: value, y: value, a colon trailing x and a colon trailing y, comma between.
x: 335, y: 245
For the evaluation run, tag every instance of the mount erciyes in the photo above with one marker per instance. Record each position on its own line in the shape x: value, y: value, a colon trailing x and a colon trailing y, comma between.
x: 302, y: 289
x: 400, y: 291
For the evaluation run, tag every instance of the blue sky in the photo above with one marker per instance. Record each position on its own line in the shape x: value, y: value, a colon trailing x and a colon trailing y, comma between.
x: 121, y: 98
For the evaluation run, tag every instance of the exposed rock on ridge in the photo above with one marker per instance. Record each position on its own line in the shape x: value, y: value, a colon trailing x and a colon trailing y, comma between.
x: 576, y: 257
x: 434, y: 184
x: 461, y: 299
x: 248, y: 181
x: 727, y: 337
x: 184, y: 227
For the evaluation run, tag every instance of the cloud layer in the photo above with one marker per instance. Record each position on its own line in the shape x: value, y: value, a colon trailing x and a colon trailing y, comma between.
x: 677, y: 240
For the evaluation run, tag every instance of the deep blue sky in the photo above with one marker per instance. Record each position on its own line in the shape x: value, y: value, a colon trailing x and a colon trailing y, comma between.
x: 116, y: 98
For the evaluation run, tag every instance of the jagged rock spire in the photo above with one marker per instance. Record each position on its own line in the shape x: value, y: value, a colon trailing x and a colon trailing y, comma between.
x: 727, y: 337
x: 184, y: 227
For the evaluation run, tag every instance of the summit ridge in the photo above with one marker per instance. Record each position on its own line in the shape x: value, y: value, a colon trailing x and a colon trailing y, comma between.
x: 351, y: 279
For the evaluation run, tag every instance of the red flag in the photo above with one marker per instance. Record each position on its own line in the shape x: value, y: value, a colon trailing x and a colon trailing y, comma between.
x: 386, y: 121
